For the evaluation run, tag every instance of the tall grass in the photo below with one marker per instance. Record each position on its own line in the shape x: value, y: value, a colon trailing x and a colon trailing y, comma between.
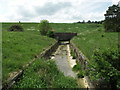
x: 20, y: 47
x: 44, y: 74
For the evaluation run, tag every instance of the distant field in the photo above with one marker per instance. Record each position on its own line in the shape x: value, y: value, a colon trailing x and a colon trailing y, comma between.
x: 90, y: 37
x: 18, y: 48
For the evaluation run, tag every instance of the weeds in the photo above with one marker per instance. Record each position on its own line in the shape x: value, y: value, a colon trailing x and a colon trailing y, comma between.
x: 44, y: 74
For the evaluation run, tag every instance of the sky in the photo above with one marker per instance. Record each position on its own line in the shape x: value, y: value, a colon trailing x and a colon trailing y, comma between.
x: 56, y: 11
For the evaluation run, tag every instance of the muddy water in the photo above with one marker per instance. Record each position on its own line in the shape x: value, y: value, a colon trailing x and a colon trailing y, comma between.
x: 61, y: 57
x: 65, y: 63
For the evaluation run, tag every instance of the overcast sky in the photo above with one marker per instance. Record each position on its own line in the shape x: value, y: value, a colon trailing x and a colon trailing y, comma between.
x: 59, y: 11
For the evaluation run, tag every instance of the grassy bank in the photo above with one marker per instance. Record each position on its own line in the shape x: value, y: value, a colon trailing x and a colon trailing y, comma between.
x: 45, y: 74
x: 18, y: 48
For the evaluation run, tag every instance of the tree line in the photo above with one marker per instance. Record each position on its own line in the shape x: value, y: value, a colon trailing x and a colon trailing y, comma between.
x: 112, y: 19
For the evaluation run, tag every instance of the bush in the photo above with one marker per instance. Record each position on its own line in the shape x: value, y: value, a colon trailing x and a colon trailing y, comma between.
x: 50, y: 34
x: 15, y: 28
x: 105, y: 66
x: 44, y: 27
x: 102, y: 35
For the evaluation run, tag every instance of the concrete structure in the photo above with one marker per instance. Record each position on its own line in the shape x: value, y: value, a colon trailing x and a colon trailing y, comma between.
x: 64, y: 36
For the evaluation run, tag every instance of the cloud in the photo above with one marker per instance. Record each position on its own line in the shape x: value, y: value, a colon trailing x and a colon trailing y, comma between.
x: 115, y: 1
x: 42, y: 12
x: 77, y: 17
x: 51, y: 8
x: 25, y: 12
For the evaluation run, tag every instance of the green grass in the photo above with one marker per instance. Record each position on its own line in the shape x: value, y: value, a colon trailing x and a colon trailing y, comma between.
x: 87, y: 44
x: 90, y: 37
x: 76, y: 27
x: 45, y: 74
x: 78, y: 68
x: 19, y: 48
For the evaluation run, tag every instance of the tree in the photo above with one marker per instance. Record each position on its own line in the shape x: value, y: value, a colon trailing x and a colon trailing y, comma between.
x: 89, y: 21
x: 78, y: 22
x: 44, y: 27
x: 112, y: 18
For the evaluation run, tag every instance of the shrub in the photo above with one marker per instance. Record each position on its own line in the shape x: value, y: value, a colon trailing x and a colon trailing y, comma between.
x: 50, y: 34
x: 15, y: 28
x: 102, y: 35
x: 105, y: 66
x: 44, y: 27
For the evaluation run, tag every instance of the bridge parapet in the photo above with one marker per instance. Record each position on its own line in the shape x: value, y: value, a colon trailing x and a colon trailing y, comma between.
x: 64, y: 36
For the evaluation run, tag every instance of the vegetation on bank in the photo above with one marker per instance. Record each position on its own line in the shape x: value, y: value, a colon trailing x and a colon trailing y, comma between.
x: 45, y: 28
x: 78, y: 68
x: 45, y: 74
x: 103, y: 68
x: 19, y: 48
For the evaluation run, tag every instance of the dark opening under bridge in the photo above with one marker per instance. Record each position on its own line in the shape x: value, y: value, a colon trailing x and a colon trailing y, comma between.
x: 64, y: 36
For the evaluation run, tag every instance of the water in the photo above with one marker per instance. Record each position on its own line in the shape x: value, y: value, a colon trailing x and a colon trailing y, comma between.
x: 61, y: 58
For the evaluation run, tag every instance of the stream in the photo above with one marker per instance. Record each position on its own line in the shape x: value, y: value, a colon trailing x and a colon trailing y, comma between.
x: 65, y: 63
x: 63, y: 60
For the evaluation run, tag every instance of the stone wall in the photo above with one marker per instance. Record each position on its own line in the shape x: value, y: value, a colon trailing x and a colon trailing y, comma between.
x: 79, y: 56
x: 48, y: 52
x: 82, y: 60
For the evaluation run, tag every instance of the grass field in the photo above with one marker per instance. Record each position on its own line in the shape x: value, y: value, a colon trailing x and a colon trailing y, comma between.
x: 90, y: 37
x: 19, y: 48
